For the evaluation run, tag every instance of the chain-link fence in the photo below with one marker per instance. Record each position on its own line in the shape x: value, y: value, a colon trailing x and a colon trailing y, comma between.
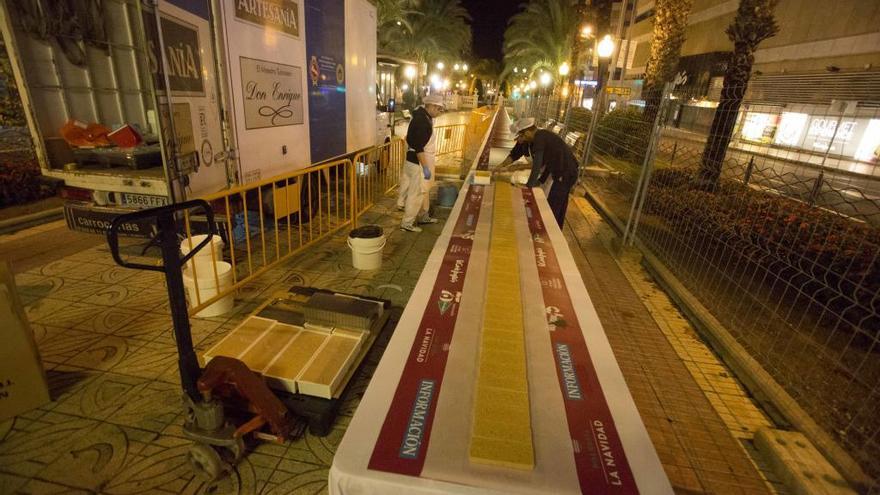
x: 770, y: 215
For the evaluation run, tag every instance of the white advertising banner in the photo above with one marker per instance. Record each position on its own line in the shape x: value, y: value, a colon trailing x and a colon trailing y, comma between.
x: 360, y: 55
x: 265, y: 46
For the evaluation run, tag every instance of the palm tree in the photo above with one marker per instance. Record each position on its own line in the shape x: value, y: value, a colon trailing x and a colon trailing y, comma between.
x: 754, y: 22
x: 424, y: 29
x: 670, y: 21
x: 538, y: 38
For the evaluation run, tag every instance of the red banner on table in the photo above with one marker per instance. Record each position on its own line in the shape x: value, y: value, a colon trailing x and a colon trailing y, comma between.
x: 405, y: 434
x: 601, y: 463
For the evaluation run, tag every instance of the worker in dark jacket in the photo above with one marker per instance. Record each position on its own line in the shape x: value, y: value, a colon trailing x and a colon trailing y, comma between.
x: 418, y: 170
x: 551, y: 158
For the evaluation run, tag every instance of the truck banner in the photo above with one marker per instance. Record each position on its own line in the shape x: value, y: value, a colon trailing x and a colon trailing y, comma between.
x: 325, y: 52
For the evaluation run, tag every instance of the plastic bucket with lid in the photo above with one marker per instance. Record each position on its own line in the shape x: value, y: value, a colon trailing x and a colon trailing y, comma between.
x: 204, y: 254
x: 209, y: 286
x: 448, y: 193
x: 366, y: 245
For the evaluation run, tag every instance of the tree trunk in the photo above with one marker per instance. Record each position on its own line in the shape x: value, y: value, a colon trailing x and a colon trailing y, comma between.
x: 736, y: 80
x: 670, y: 22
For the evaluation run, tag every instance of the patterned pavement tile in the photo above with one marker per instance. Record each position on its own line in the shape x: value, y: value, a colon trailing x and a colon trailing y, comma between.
x: 298, y: 479
x: 59, y: 313
x: 151, y: 361
x: 109, y: 320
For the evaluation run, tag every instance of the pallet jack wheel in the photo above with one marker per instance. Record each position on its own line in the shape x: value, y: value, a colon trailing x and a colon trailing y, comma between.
x: 206, y: 462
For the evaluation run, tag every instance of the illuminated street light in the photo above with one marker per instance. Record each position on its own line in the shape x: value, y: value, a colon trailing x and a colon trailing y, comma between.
x: 563, y: 69
x: 434, y: 78
x: 456, y: 67
x: 464, y: 67
x: 399, y: 23
x: 440, y: 65
x: 586, y: 31
x: 446, y: 84
x: 404, y: 86
x: 545, y: 78
x: 606, y: 47
x: 515, y: 70
x: 410, y: 72
x: 533, y: 85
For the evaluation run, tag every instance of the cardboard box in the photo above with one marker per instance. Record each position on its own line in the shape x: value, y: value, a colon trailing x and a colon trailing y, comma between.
x: 23, y: 384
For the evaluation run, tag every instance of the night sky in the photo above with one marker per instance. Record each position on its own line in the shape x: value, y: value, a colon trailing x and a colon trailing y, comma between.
x: 489, y: 20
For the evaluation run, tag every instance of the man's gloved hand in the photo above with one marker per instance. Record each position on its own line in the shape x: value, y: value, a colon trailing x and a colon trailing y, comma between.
x: 427, y: 173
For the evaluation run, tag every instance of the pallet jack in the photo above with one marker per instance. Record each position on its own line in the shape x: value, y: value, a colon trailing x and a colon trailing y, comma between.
x: 225, y: 401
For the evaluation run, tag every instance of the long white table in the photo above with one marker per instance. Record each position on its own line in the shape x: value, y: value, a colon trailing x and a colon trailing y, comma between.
x: 411, y: 431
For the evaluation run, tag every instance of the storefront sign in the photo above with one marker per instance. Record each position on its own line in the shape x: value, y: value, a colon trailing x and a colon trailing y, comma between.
x: 791, y: 129
x: 759, y: 127
x: 280, y: 15
x: 617, y: 90
x: 272, y: 93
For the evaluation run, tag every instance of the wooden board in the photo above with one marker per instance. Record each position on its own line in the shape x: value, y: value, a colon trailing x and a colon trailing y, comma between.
x: 501, y: 432
x: 265, y: 351
x: 240, y: 338
x: 294, y: 358
x: 325, y: 371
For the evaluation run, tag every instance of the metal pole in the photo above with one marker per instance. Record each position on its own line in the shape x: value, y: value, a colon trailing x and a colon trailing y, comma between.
x: 635, y: 212
x: 749, y: 169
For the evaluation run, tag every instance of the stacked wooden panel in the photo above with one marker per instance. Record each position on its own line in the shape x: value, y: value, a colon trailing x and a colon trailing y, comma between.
x: 502, y: 432
x: 300, y: 360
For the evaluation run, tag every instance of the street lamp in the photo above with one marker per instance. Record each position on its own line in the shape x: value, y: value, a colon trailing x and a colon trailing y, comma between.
x: 563, y: 69
x: 545, y: 78
x: 410, y: 72
x: 464, y: 67
x: 515, y: 70
x: 606, y: 47
x: 456, y: 66
x: 440, y: 65
x: 533, y: 84
x: 586, y: 31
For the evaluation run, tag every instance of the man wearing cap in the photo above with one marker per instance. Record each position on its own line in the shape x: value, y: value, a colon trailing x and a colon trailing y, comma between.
x: 419, y: 166
x: 551, y: 158
x: 520, y: 149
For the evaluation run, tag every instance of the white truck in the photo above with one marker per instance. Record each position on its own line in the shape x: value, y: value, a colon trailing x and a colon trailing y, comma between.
x: 223, y: 92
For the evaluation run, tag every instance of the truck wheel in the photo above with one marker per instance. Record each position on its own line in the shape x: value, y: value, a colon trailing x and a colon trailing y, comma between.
x: 205, y: 462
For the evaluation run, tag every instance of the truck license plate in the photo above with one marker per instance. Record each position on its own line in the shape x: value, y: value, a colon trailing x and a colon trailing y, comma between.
x: 143, y: 200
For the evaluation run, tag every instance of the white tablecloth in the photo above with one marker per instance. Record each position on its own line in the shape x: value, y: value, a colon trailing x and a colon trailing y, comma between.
x: 447, y: 468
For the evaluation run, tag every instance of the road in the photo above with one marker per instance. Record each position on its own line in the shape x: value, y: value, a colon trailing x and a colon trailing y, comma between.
x: 850, y: 193
x: 37, y: 246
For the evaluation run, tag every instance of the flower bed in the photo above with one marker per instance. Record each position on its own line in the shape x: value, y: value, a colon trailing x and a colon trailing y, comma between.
x: 834, y: 259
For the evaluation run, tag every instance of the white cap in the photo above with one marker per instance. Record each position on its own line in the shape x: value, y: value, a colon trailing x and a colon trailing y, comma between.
x: 523, y: 124
x: 434, y: 100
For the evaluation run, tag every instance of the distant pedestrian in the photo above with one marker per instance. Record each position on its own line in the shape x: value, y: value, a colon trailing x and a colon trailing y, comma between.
x: 419, y: 165
x: 551, y: 159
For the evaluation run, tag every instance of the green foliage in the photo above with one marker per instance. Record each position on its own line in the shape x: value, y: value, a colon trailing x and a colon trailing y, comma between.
x: 21, y: 182
x: 11, y: 111
x: 670, y: 22
x: 578, y: 119
x: 816, y: 250
x: 424, y: 29
x: 623, y: 134
x: 540, y: 36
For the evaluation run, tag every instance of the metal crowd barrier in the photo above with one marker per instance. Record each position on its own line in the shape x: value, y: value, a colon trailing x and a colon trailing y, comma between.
x: 266, y: 222
x: 378, y: 171
x: 450, y: 138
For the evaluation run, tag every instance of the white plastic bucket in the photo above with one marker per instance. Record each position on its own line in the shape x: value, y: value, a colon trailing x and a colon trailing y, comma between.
x: 208, y: 286
x: 366, y: 254
x: 204, y: 254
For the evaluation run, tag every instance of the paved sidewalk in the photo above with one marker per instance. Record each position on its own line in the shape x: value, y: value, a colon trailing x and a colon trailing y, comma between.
x: 114, y: 425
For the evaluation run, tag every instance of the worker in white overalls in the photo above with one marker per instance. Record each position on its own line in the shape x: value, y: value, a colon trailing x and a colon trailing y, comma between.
x: 418, y: 170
